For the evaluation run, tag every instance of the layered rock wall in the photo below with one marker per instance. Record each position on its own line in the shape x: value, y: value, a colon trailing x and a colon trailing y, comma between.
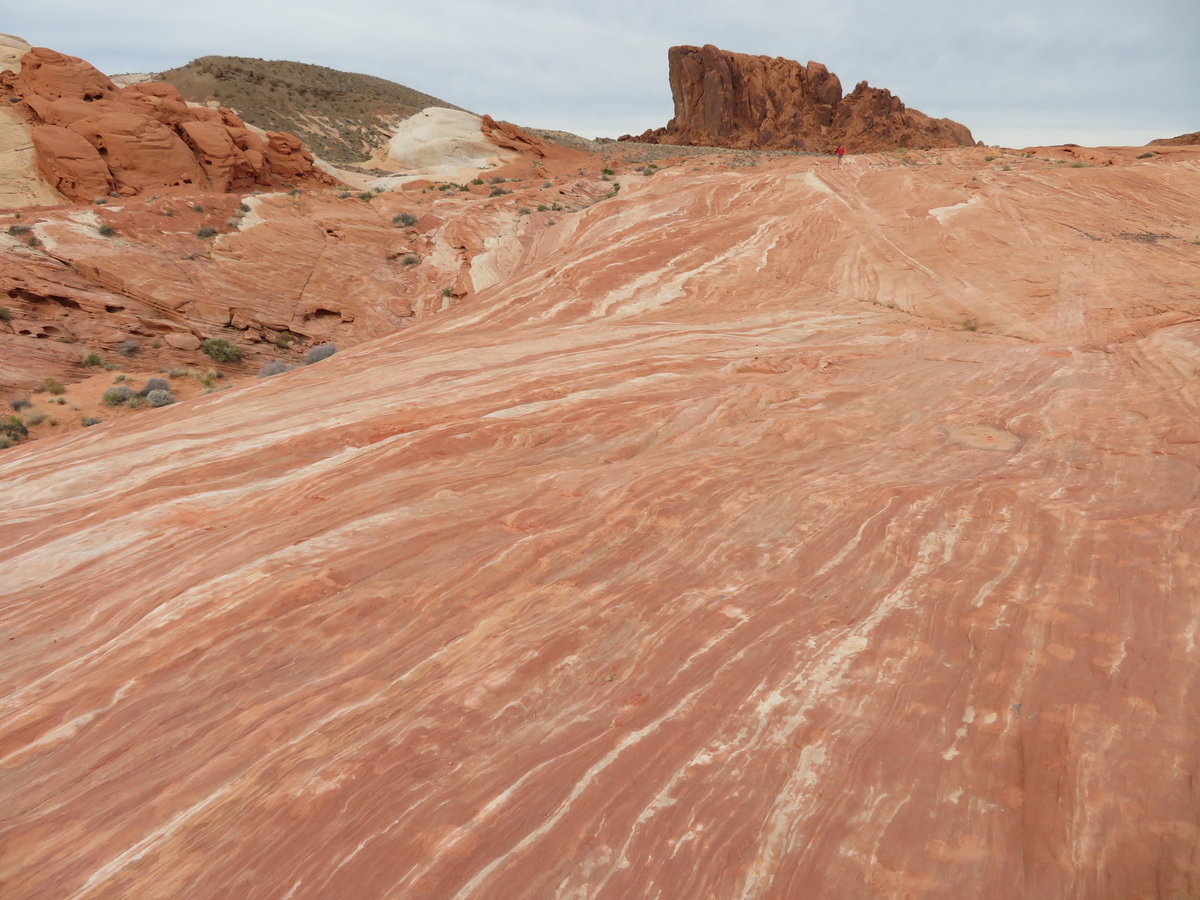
x: 725, y: 99
x: 93, y: 138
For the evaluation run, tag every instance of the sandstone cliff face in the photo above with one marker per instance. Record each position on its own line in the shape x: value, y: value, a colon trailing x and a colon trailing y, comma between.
x: 725, y: 99
x: 93, y: 138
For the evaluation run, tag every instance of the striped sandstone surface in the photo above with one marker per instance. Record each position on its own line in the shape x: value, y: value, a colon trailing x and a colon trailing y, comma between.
x: 798, y: 530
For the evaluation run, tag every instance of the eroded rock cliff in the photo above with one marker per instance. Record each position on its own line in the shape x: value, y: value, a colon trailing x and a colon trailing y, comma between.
x: 94, y: 138
x: 725, y: 99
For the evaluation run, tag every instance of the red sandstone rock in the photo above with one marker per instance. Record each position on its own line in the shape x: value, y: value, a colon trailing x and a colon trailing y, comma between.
x: 147, y: 136
x: 707, y: 552
x: 725, y: 99
x: 509, y: 137
x: 70, y: 163
x: 52, y: 75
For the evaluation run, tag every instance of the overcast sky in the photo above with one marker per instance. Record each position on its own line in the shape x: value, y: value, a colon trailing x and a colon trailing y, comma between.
x: 1017, y: 73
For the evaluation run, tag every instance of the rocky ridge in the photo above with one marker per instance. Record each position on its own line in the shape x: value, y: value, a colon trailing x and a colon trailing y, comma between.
x: 341, y: 116
x: 736, y: 100
x: 94, y: 139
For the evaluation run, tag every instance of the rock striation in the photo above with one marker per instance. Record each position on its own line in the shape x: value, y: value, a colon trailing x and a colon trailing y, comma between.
x: 795, y: 531
x: 736, y: 100
x: 93, y: 138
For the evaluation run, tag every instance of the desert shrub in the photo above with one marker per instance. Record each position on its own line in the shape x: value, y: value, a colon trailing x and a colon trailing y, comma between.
x: 476, y: 181
x: 89, y: 421
x: 115, y: 396
x: 36, y: 418
x: 160, y: 398
x: 523, y: 211
x: 367, y: 195
x: 196, y: 207
x: 155, y: 384
x: 318, y: 353
x: 178, y: 373
x: 988, y: 158
x: 608, y: 172
x: 284, y: 339
x: 970, y: 325
x: 542, y: 207
x: 19, y: 405
x: 404, y: 220
x: 498, y: 192
x: 93, y: 359
x: 61, y: 401
x: 18, y: 230
x: 117, y: 379
x: 13, y: 428
x: 157, y: 345
x: 106, y: 231
x: 1147, y: 155
x: 220, y: 350
x: 295, y: 192
x: 275, y: 367
x: 127, y: 348
x: 447, y: 292
x: 409, y: 259
x: 206, y: 232
x: 53, y: 386
x: 34, y: 242
x: 137, y: 401
x: 5, y: 443
x: 243, y: 208
x: 5, y: 314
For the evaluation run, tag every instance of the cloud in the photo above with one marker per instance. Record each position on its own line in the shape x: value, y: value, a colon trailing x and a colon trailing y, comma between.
x: 1097, y: 66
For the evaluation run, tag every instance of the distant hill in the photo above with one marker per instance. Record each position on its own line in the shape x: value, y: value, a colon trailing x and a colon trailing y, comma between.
x: 341, y: 116
x: 1182, y: 141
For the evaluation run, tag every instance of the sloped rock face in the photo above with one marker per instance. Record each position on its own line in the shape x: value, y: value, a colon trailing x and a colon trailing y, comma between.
x: 1183, y: 140
x: 144, y: 137
x: 725, y: 99
x: 707, y: 553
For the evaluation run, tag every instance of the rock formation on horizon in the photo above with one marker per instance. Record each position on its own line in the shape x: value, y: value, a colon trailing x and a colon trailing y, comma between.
x: 725, y: 99
x: 94, y: 138
x: 1183, y: 140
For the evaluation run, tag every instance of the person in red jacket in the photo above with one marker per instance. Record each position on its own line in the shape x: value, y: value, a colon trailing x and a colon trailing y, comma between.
x: 841, y: 151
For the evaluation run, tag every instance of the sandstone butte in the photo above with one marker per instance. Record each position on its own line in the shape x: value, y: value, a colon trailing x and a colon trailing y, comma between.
x: 725, y: 99
x: 779, y: 531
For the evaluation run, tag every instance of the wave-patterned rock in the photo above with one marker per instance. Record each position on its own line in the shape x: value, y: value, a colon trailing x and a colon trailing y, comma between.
x: 807, y: 531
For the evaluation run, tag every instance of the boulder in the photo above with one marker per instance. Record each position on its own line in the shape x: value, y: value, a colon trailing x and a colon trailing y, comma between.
x: 736, y: 100
x: 182, y: 341
x: 141, y: 152
x: 70, y: 164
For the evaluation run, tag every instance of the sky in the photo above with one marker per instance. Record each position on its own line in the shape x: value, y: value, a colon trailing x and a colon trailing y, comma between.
x: 1017, y: 73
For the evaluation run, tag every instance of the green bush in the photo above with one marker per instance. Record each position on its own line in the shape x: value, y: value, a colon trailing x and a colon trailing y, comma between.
x: 1147, y: 156
x: 220, y: 350
x: 206, y: 232
x: 36, y: 418
x: 89, y: 421
x: 13, y: 428
x: 284, y: 339
x: 608, y: 172
x: 404, y: 220
x: 106, y: 231
x: 5, y: 314
x: 409, y: 259
x: 93, y: 359
x: 128, y: 347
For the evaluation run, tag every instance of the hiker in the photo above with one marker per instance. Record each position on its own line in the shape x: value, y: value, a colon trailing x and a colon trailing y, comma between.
x: 841, y: 151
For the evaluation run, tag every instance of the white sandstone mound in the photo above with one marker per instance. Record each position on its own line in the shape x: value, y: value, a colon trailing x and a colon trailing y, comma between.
x: 20, y: 183
x: 443, y: 142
